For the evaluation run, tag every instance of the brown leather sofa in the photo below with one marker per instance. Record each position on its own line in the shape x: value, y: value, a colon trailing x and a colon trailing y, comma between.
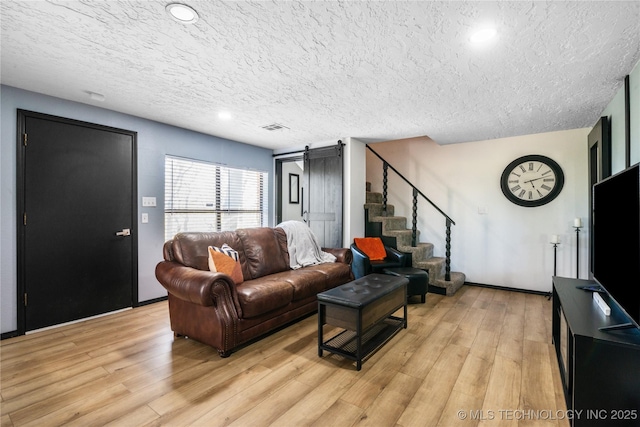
x: 210, y: 308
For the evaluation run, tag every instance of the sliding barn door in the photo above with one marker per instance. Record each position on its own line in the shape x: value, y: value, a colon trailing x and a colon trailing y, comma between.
x: 77, y: 244
x: 323, y: 170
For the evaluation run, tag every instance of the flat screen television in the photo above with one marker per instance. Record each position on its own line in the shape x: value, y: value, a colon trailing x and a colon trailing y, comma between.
x: 616, y: 240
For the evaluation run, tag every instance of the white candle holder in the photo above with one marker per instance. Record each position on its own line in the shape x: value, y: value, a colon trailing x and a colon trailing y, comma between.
x: 555, y: 242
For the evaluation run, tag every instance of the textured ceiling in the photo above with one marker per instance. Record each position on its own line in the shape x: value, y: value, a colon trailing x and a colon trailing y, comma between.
x: 374, y: 70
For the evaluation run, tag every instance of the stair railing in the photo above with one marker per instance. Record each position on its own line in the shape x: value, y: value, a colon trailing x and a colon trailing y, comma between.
x: 414, y: 221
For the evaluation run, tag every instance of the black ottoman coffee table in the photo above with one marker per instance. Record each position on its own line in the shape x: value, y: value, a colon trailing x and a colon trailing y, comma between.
x: 364, y: 309
x: 418, y: 280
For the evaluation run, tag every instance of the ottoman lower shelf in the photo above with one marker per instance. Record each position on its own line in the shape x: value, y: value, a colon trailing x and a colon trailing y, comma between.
x: 346, y: 342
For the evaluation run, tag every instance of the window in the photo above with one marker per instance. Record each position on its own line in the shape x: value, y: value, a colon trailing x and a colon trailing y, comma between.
x: 201, y: 196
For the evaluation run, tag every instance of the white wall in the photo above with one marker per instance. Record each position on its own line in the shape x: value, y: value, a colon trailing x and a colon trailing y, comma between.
x: 355, y: 189
x: 509, y: 244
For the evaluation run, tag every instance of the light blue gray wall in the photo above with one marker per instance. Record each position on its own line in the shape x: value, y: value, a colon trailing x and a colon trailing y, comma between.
x: 154, y: 141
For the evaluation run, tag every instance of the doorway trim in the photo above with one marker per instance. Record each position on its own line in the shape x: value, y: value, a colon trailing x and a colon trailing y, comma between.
x: 279, y: 180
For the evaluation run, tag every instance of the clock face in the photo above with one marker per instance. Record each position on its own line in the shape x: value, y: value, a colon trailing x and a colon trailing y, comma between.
x: 532, y: 180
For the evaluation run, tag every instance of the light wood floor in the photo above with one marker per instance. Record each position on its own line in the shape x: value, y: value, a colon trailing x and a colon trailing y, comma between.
x: 482, y: 357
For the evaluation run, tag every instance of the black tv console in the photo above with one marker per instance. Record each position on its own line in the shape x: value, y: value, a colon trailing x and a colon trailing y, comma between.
x: 600, y: 370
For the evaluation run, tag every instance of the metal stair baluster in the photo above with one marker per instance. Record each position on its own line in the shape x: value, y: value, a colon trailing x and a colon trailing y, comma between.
x: 385, y: 167
x: 414, y: 229
x: 447, y: 264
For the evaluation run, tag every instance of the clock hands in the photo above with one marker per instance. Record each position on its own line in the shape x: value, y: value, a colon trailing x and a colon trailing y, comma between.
x: 532, y: 184
x: 534, y: 179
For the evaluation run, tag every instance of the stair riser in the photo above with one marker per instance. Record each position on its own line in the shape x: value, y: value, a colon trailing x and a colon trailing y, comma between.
x: 435, y: 267
x: 394, y: 223
x: 403, y: 238
x: 373, y: 197
x: 418, y: 252
x: 423, y: 251
x: 375, y: 210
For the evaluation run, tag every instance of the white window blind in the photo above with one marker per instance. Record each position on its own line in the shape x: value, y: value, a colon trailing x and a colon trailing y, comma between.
x: 201, y: 196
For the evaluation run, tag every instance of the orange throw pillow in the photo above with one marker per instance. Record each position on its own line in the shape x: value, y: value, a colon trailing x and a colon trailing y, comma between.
x: 372, y: 247
x: 222, y: 263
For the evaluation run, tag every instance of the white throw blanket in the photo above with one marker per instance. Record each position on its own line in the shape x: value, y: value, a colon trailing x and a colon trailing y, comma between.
x: 303, y: 245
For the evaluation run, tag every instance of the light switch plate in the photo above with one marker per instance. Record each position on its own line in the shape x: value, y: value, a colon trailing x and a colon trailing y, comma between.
x: 149, y: 201
x: 145, y: 218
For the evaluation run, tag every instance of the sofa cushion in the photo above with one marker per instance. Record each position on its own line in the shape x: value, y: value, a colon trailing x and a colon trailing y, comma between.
x: 192, y: 248
x: 336, y: 273
x: 265, y: 251
x: 264, y: 294
x: 311, y: 280
x: 305, y: 283
x: 225, y: 260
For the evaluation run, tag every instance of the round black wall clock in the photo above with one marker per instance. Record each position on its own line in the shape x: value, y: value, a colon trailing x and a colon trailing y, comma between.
x: 532, y: 180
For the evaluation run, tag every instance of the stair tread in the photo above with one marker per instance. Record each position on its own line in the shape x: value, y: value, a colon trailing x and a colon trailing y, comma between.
x: 433, y: 260
x: 450, y: 286
x: 382, y: 218
x: 398, y: 232
x: 413, y: 248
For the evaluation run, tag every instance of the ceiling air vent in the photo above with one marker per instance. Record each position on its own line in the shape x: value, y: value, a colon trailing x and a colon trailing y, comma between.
x: 275, y: 126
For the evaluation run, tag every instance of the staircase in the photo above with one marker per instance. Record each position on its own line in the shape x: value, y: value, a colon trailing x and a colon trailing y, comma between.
x: 394, y: 232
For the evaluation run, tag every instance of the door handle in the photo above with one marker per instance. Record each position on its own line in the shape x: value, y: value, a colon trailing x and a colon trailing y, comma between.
x: 124, y: 232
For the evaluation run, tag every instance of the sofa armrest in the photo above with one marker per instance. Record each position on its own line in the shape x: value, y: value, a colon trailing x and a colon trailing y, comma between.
x: 342, y: 255
x: 197, y: 286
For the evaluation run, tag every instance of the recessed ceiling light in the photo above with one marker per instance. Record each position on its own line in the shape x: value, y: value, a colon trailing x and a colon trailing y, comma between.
x: 182, y: 13
x: 483, y: 35
x: 224, y: 115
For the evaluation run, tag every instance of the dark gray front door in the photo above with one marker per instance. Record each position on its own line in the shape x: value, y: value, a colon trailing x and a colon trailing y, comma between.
x: 323, y: 170
x: 77, y: 232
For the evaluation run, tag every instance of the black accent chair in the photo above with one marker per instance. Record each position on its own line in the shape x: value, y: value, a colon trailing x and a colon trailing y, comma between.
x: 362, y: 265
